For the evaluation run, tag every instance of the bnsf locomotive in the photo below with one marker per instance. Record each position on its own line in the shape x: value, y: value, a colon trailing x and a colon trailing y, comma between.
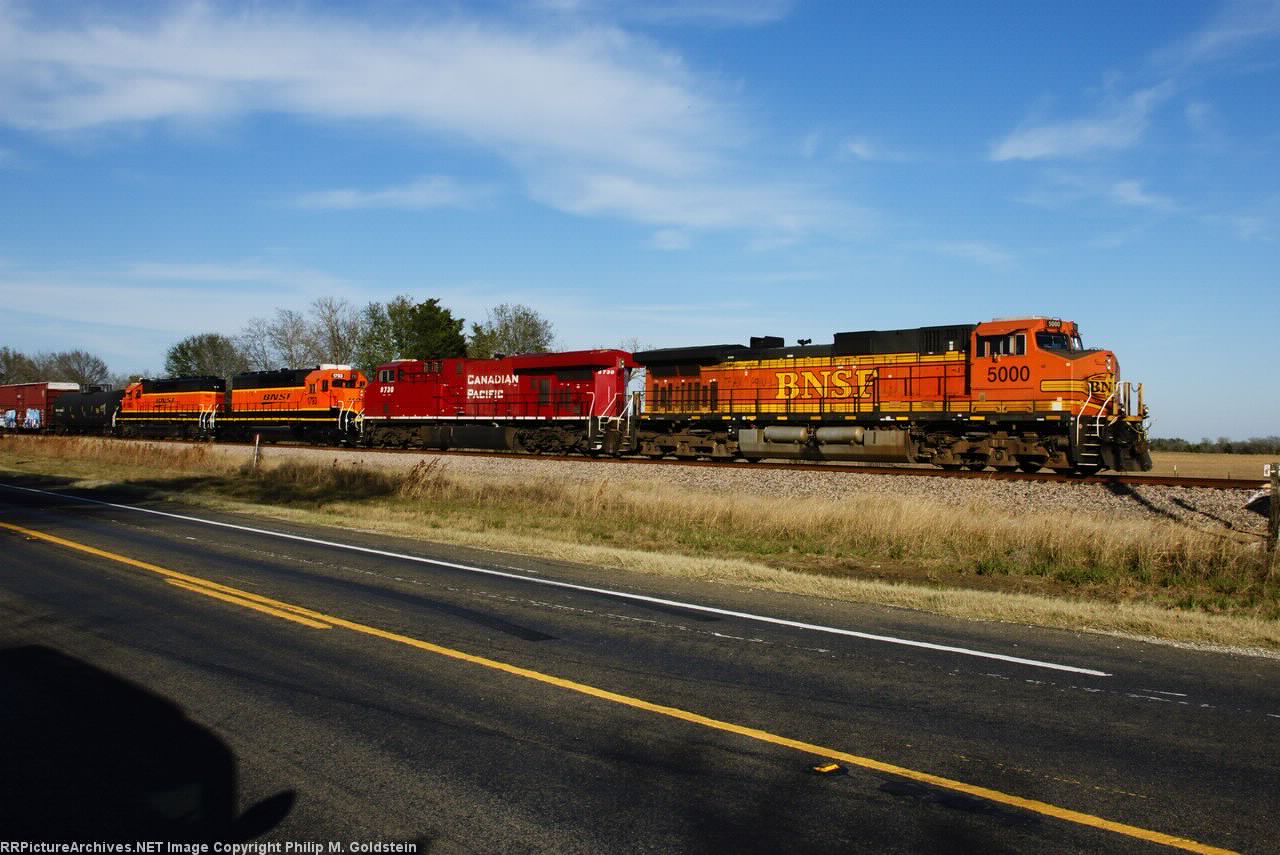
x: 1018, y: 393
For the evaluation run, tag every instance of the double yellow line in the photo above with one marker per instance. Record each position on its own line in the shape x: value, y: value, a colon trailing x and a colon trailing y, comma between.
x: 319, y: 620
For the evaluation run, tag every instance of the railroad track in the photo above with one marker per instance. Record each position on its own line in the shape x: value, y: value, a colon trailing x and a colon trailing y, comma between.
x: 1108, y: 479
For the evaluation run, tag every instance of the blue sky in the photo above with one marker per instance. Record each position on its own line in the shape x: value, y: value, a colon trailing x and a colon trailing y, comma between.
x: 674, y: 173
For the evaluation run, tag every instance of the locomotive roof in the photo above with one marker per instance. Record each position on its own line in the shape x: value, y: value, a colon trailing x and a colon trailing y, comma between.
x: 271, y: 379
x: 203, y: 383
x: 937, y: 339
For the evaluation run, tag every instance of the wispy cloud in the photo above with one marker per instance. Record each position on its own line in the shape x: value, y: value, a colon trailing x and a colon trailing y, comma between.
x: 437, y: 191
x: 863, y: 148
x: 1240, y: 26
x: 671, y: 240
x: 780, y: 209
x: 978, y: 252
x: 579, y: 99
x: 306, y: 282
x: 714, y: 13
x: 1131, y: 193
x: 1060, y: 189
x: 1118, y: 126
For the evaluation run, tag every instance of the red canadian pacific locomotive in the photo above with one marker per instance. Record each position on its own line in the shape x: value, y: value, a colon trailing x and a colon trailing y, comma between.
x: 1016, y: 393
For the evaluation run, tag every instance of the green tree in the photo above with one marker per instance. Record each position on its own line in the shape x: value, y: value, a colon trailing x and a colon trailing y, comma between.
x: 510, y: 328
x: 17, y: 367
x: 384, y: 333
x: 205, y: 354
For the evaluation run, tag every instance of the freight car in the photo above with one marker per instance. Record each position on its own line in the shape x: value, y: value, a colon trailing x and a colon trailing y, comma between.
x: 1017, y: 393
x: 89, y: 411
x: 545, y: 402
x: 29, y: 407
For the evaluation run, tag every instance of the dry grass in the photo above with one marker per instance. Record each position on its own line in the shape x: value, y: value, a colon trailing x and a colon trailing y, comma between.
x: 1071, y: 570
x: 1192, y: 465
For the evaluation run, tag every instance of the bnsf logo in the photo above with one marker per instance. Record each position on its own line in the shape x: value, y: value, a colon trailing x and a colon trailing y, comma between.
x: 276, y: 396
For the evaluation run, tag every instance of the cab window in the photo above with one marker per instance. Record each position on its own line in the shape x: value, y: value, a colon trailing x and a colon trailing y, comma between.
x: 1053, y: 341
x: 1014, y: 344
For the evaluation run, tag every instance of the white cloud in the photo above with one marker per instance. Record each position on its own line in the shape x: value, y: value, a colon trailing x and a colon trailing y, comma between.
x: 568, y: 102
x: 671, y: 240
x: 306, y: 282
x: 716, y: 13
x: 1119, y: 127
x: 782, y: 209
x: 978, y: 252
x: 594, y: 92
x: 1132, y: 194
x: 1060, y: 189
x: 1239, y: 26
x: 861, y: 148
x: 437, y: 191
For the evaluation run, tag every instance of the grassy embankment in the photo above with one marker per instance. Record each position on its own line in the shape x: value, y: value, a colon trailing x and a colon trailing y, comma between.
x: 1069, y: 570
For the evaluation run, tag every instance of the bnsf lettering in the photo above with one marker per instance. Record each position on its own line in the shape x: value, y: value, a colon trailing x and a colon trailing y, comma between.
x: 840, y: 383
x: 1101, y: 386
x: 275, y: 396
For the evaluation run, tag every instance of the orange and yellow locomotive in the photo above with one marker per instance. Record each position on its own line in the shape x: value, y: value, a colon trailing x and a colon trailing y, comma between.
x: 1018, y: 393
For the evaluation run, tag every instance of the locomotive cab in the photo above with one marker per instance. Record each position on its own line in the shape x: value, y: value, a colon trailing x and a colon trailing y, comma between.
x: 1040, y: 366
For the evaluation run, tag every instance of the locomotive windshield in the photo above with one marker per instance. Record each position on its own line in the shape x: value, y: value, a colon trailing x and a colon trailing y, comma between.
x: 1058, y: 341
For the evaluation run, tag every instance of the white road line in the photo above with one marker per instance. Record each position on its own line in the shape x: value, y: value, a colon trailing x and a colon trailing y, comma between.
x: 641, y: 598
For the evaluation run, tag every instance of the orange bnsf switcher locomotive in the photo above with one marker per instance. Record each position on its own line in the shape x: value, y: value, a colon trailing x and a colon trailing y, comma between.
x: 1018, y: 393
x: 321, y: 404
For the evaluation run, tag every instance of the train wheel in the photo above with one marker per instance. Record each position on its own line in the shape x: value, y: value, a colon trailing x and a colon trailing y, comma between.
x: 952, y: 467
x: 976, y: 467
x: 1030, y: 465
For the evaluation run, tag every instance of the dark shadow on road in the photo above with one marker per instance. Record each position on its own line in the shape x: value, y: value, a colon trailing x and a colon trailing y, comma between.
x: 88, y: 756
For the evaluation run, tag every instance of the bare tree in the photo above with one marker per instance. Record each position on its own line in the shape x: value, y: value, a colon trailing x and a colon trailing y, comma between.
x: 510, y: 328
x: 335, y: 329
x: 254, y: 342
x: 291, y: 339
x: 78, y: 366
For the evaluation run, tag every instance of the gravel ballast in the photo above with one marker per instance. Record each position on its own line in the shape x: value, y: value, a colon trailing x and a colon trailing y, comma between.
x: 1203, y: 508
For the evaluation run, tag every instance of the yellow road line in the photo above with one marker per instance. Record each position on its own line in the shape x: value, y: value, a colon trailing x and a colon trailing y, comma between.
x: 248, y: 604
x: 322, y: 620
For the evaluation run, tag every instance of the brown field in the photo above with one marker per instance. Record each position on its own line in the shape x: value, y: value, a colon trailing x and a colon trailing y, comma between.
x: 1191, y: 465
x: 1060, y: 568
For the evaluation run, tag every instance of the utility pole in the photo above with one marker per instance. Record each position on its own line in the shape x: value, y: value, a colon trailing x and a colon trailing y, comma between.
x: 1273, y: 529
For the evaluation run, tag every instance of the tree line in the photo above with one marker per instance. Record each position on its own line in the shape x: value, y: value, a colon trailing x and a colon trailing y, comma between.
x: 1221, y: 445
x: 330, y: 331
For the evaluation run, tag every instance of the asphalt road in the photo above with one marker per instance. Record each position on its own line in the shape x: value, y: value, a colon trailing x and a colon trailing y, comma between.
x: 166, y: 678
